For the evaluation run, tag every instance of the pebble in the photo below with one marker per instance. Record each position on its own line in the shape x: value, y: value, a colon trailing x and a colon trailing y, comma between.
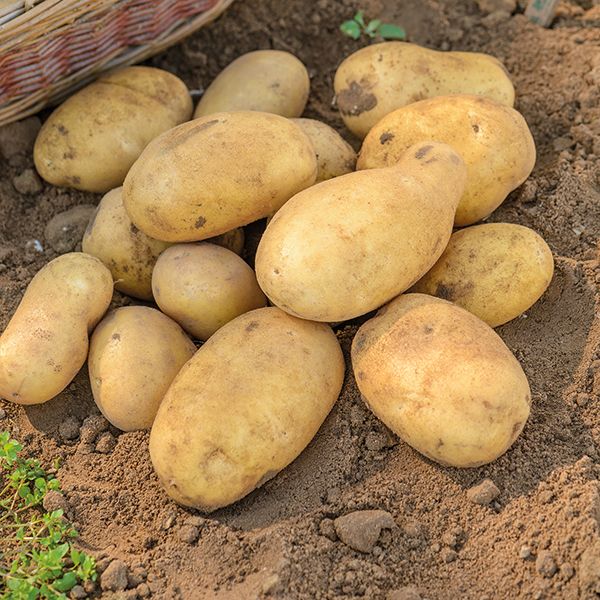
x: 106, y: 443
x: 450, y: 539
x: 169, y: 521
x: 54, y: 500
x: 528, y: 192
x: 2, y: 414
x: 408, y: 592
x: 65, y: 230
x: 143, y: 590
x: 545, y: 564
x: 69, y: 429
x: 524, y: 552
x: 27, y: 182
x: 188, y: 534
x: 492, y: 6
x: 327, y: 529
x: 114, y: 578
x: 78, y: 592
x: 18, y: 138
x: 91, y: 427
x: 360, y: 530
x: 483, y: 493
x: 449, y: 555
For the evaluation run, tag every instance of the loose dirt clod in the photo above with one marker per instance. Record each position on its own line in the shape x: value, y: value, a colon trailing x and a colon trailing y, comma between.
x: 64, y: 231
x: 106, y: 443
x: 483, y: 493
x: 408, y: 592
x: 28, y: 182
x: 69, y: 429
x: 360, y: 529
x: 544, y: 564
x: 18, y: 138
x: 188, y: 534
x: 114, y: 578
x: 54, y: 500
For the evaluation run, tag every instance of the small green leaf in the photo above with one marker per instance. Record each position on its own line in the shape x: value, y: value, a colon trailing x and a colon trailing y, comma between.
x: 351, y: 29
x: 372, y: 26
x: 359, y: 17
x: 66, y: 582
x: 388, y: 31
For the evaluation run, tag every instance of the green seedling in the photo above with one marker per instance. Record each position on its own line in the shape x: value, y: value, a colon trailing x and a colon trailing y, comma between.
x: 374, y: 28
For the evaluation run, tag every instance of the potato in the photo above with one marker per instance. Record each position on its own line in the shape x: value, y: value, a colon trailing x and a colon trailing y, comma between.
x: 46, y: 341
x: 244, y: 407
x: 250, y: 164
x: 128, y: 252
x: 91, y: 140
x: 135, y: 353
x: 269, y: 81
x: 493, y: 140
x: 496, y: 271
x: 380, y: 78
x: 348, y: 245
x: 204, y: 286
x: 442, y: 380
x: 232, y: 240
x: 335, y: 156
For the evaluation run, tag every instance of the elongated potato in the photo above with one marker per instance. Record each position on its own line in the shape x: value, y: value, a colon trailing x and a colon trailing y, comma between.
x: 493, y: 140
x: 46, y: 341
x: 496, y: 271
x: 135, y: 353
x: 244, y: 407
x: 442, y: 380
x: 348, y: 245
x: 90, y: 141
x: 250, y: 164
x: 270, y: 81
x: 381, y: 78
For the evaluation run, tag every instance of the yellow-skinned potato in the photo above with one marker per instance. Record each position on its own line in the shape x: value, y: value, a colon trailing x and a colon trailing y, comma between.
x: 46, y: 341
x: 496, y: 271
x: 244, y: 407
x: 380, y: 78
x: 493, y: 140
x: 128, y: 252
x: 232, y: 240
x: 90, y: 141
x: 250, y: 164
x: 135, y: 353
x: 348, y: 245
x: 270, y: 81
x: 203, y: 286
x: 442, y: 380
x: 335, y: 156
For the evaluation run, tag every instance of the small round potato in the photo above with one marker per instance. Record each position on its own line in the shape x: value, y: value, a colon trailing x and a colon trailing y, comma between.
x: 269, y: 81
x: 335, y: 156
x: 496, y: 271
x: 203, y: 286
x: 135, y: 353
x: 90, y: 141
x: 46, y: 341
x: 442, y: 380
x: 244, y: 407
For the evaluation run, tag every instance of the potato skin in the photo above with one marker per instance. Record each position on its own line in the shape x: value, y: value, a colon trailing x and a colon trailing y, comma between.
x: 335, y: 156
x: 128, y: 252
x: 348, y: 245
x: 269, y: 81
x: 203, y: 286
x: 442, y: 380
x: 135, y: 353
x: 90, y: 141
x: 381, y: 78
x: 275, y: 378
x: 233, y: 240
x: 495, y: 270
x: 252, y: 163
x: 46, y: 342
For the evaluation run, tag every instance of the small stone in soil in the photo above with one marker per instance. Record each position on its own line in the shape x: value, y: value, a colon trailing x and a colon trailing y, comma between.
x: 65, y: 230
x: 54, y: 500
x: 143, y: 590
x: 327, y: 529
x: 78, y: 592
x: 188, y: 534
x: 27, y: 182
x: 408, y: 592
x: 525, y: 552
x: 361, y: 529
x: 449, y: 555
x: 483, y: 493
x: 114, y: 578
x: 545, y: 564
x: 106, y: 443
x: 69, y: 429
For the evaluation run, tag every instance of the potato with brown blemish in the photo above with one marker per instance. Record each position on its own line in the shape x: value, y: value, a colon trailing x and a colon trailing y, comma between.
x: 153, y: 346
x: 91, y: 140
x: 442, y: 380
x: 496, y: 271
x: 270, y: 81
x: 378, y: 79
x: 46, y: 342
x: 494, y: 141
x: 244, y: 407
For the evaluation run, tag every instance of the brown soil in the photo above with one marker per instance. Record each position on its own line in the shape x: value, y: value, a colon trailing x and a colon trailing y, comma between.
x: 540, y: 537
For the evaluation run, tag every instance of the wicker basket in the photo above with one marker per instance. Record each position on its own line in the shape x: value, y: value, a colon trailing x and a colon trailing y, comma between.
x: 50, y: 48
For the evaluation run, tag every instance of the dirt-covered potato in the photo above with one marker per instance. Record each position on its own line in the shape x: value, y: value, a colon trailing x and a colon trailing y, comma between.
x: 380, y: 78
x: 442, y: 380
x: 203, y: 286
x: 128, y: 252
x: 251, y: 164
x: 269, y: 81
x: 46, y: 341
x: 135, y: 353
x: 90, y: 141
x: 496, y: 271
x: 335, y: 156
x: 232, y: 240
x: 244, y: 407
x: 493, y: 140
x: 346, y: 246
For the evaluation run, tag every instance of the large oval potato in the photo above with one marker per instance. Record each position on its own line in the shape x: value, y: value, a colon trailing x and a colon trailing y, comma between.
x: 244, y: 407
x: 380, y: 78
x: 90, y: 141
x: 496, y: 271
x: 269, y: 81
x: 203, y: 286
x: 493, y: 140
x: 216, y: 173
x: 135, y: 353
x: 348, y: 245
x: 442, y: 380
x: 46, y: 341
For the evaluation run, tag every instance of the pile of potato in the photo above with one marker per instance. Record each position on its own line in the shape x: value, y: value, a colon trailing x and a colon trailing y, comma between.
x: 442, y: 149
